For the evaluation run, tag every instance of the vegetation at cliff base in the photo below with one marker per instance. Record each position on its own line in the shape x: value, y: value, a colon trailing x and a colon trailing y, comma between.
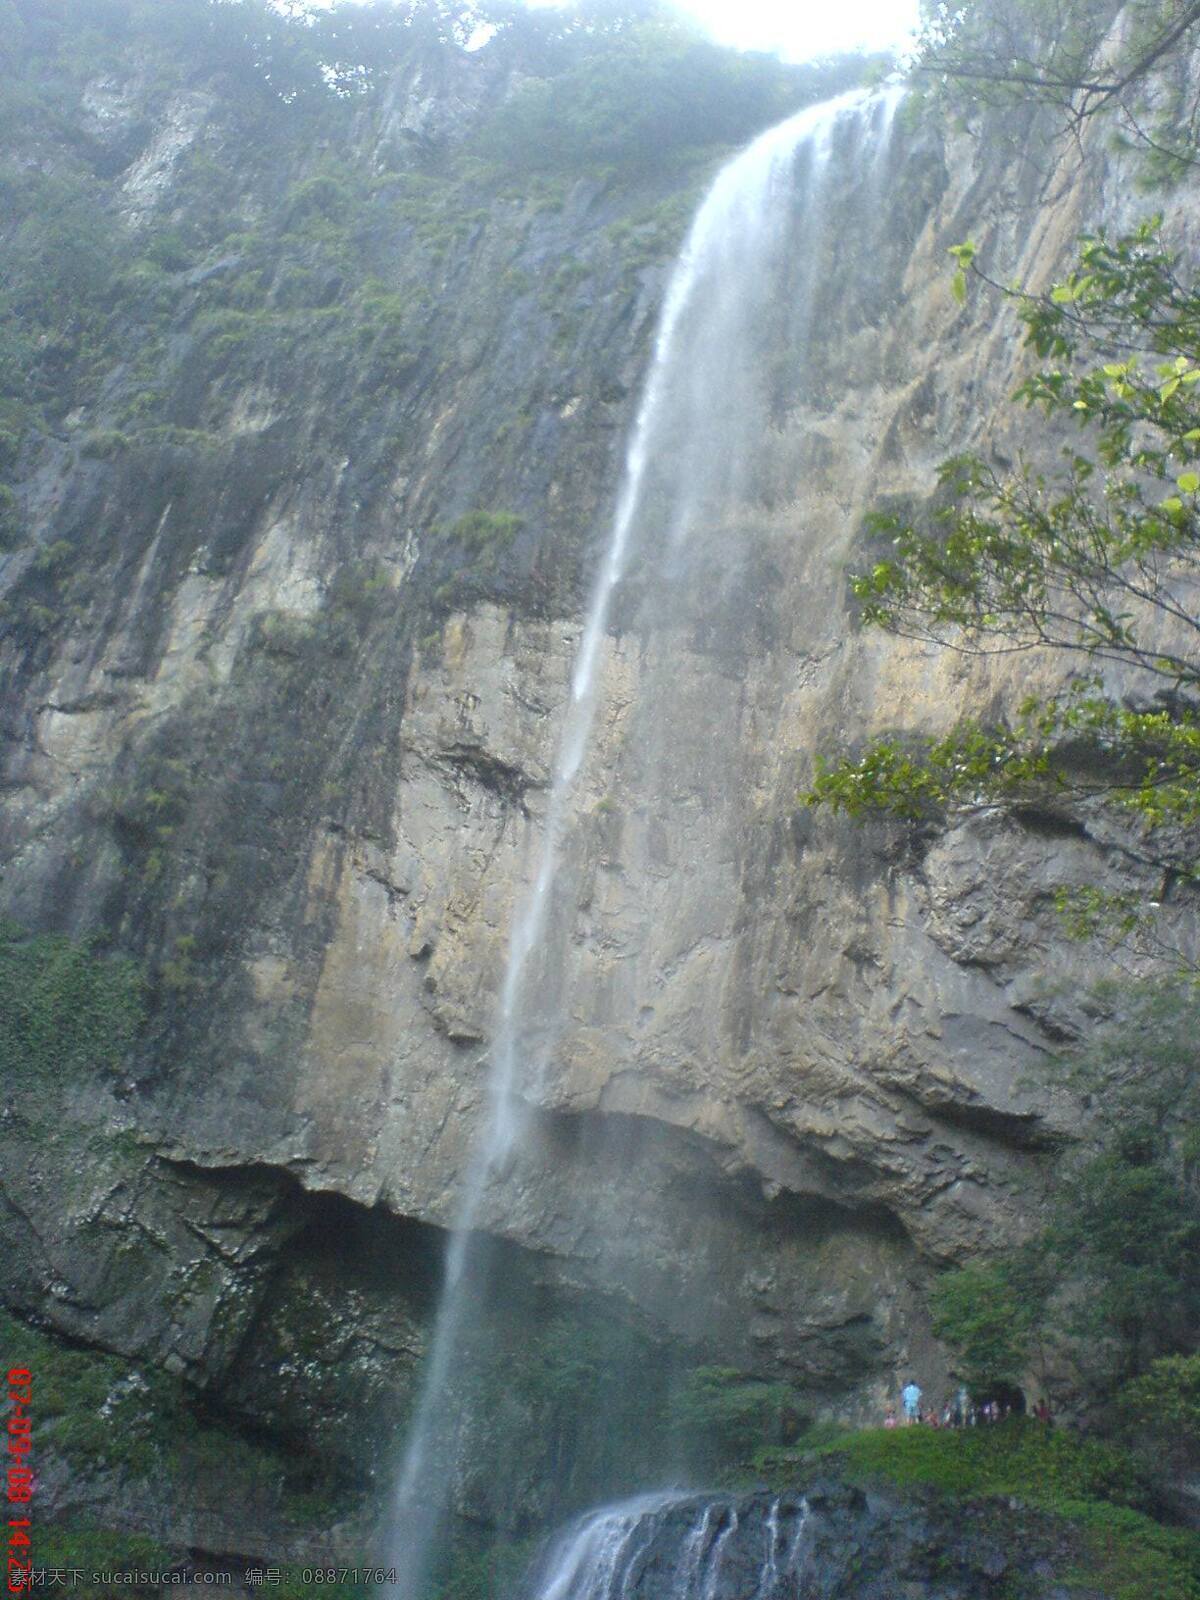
x: 1160, y: 1413
x: 1093, y: 1488
x: 722, y: 1415
x: 988, y: 1314
x: 1048, y: 1466
x: 1088, y: 1506
x: 116, y: 1421
x: 1113, y: 1278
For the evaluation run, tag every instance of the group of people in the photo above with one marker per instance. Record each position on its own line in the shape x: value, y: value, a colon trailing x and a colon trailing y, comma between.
x: 958, y: 1412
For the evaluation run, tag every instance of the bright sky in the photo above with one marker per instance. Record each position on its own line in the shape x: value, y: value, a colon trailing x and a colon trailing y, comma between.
x: 799, y: 29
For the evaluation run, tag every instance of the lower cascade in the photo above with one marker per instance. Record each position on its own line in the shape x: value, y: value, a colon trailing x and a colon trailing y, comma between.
x: 679, y: 1547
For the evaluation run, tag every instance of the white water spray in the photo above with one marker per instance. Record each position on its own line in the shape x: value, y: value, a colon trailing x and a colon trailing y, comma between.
x: 595, y: 1557
x: 690, y: 448
x: 675, y: 1547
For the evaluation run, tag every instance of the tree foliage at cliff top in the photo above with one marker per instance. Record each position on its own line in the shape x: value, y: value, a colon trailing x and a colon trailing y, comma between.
x: 638, y: 97
x: 606, y: 81
x: 1097, y: 561
x: 1075, y: 57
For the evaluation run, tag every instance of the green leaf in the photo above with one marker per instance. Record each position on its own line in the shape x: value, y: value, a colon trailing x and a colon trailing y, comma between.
x: 958, y: 284
x: 1189, y: 482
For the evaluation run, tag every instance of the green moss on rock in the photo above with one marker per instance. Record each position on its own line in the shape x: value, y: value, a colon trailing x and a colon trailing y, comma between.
x: 66, y: 1009
x: 100, y: 1414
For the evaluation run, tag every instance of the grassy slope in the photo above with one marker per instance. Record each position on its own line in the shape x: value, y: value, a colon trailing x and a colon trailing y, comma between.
x: 1093, y: 1491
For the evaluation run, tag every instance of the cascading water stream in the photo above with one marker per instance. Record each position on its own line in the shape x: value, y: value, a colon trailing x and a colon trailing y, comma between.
x: 689, y: 450
x: 679, y: 1547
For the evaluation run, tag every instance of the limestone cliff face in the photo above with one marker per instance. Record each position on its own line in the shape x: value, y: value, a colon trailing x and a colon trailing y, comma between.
x: 279, y: 719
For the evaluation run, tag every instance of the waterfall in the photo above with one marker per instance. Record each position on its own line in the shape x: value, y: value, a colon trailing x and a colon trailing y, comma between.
x: 679, y: 1547
x: 690, y: 455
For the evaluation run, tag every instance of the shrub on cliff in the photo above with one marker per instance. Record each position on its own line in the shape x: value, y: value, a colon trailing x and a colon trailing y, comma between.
x: 1161, y: 1412
x: 650, y: 93
x: 723, y: 1415
x: 986, y: 1313
x: 65, y: 1009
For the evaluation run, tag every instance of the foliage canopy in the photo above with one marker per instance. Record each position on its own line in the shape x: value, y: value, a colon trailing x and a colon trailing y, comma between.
x: 1162, y: 1407
x: 637, y: 97
x: 982, y: 1310
x: 1079, y: 58
x: 723, y: 1414
x: 1096, y: 561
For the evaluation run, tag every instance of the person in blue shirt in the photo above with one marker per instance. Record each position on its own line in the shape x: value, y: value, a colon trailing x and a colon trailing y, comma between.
x: 911, y: 1396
